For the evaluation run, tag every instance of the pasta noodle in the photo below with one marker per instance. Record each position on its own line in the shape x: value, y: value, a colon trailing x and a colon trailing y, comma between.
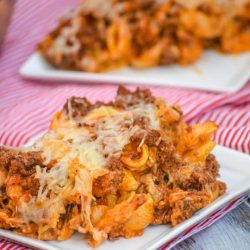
x: 138, y: 163
x: 109, y: 170
x: 101, y: 35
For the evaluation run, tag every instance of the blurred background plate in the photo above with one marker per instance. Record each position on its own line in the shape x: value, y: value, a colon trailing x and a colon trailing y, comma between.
x: 214, y: 72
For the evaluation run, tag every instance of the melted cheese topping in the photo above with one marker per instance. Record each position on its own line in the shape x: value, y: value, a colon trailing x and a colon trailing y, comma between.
x: 80, y: 153
x: 103, y: 134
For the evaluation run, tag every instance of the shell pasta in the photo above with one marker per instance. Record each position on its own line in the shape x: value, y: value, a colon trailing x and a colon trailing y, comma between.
x: 108, y: 170
x: 101, y: 35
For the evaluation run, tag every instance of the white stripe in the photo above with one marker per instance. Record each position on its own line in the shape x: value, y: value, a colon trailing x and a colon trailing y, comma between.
x: 23, y: 122
x: 238, y: 114
x: 40, y: 100
x: 30, y: 128
x: 237, y: 137
x: 244, y: 119
x: 223, y: 135
x: 16, y: 117
x: 241, y: 139
x: 47, y: 105
x: 246, y: 143
x: 226, y: 118
x: 229, y: 136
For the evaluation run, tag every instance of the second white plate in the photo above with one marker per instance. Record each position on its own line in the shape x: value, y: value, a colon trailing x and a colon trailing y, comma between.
x: 235, y: 171
x: 214, y: 72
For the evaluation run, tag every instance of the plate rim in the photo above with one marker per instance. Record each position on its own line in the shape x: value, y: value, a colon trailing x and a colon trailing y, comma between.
x: 102, y: 78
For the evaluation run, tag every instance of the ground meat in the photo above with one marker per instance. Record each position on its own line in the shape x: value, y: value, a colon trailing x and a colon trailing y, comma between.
x: 162, y: 216
x: 162, y: 209
x: 77, y: 106
x: 195, y: 177
x: 170, y: 54
x: 119, y: 231
x: 218, y: 188
x: 160, y: 177
x: 18, y: 162
x: 198, y: 179
x: 108, y: 183
x: 114, y: 164
x: 126, y: 98
x: 172, y: 173
x: 29, y: 182
x: 22, y: 165
x: 5, y: 156
x: 188, y: 177
x: 166, y: 156
x: 212, y: 165
x: 2, y: 190
x: 185, y: 207
x: 142, y: 122
x: 152, y: 138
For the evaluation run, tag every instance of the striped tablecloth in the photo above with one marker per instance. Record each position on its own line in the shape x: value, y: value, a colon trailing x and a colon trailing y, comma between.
x: 26, y: 107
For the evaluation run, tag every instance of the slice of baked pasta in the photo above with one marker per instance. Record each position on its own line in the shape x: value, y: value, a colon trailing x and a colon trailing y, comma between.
x: 108, y: 170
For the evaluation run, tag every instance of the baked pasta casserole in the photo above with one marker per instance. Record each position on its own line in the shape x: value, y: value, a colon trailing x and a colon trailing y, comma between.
x: 101, y: 35
x: 109, y: 170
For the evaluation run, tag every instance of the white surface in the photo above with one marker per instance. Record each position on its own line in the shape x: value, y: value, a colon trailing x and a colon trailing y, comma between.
x: 214, y: 72
x: 235, y: 171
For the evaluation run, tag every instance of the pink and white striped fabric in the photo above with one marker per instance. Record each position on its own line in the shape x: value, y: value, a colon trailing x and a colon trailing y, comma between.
x: 26, y: 107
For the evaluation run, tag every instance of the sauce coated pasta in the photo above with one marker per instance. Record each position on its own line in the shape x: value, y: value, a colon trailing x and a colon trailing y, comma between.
x: 101, y: 35
x: 109, y: 170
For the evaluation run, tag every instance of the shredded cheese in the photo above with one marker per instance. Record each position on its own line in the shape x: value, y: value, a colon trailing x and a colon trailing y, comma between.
x: 103, y: 134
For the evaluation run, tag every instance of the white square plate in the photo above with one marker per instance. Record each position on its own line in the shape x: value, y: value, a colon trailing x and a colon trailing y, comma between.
x: 235, y: 171
x: 214, y: 72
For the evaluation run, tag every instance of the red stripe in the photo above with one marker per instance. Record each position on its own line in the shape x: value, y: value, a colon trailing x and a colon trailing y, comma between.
x: 239, y: 118
x: 232, y: 143
x: 237, y: 144
x: 230, y: 138
x: 246, y: 146
x: 245, y: 141
x: 220, y: 134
